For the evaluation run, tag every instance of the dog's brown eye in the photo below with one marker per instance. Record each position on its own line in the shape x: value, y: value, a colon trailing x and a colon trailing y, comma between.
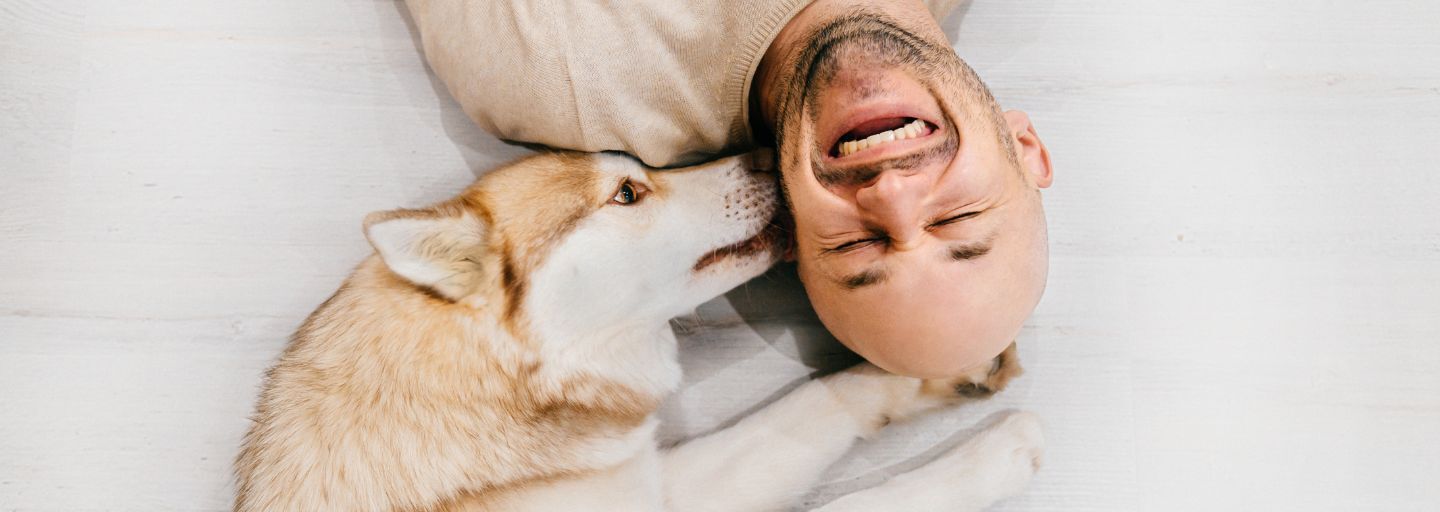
x: 628, y: 193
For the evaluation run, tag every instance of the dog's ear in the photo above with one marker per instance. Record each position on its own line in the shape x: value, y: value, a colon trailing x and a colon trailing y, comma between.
x: 433, y: 248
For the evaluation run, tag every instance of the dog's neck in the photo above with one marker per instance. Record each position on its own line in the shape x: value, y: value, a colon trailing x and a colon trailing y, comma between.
x: 555, y: 357
x: 642, y: 358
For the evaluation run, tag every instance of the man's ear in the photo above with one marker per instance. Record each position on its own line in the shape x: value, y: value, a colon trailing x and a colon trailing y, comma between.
x: 434, y: 249
x: 1034, y: 158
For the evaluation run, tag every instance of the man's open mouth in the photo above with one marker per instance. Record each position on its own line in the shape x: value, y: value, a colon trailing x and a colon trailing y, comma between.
x: 760, y: 242
x: 878, y: 134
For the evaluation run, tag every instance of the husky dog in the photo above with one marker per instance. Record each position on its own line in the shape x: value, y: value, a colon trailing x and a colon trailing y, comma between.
x: 507, y: 350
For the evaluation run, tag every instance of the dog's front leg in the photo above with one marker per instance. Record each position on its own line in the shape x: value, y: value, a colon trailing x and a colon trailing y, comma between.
x: 992, y: 466
x: 771, y: 458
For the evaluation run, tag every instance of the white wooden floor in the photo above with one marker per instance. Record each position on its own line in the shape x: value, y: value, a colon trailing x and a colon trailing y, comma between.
x: 1243, y: 313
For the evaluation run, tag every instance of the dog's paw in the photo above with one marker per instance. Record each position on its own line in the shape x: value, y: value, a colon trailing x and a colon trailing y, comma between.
x: 1017, y: 441
x: 981, y: 381
x: 1001, y: 460
x: 995, y: 464
x: 872, y: 392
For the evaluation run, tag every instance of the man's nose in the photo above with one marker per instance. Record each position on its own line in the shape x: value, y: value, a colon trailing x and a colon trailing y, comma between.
x: 893, y: 203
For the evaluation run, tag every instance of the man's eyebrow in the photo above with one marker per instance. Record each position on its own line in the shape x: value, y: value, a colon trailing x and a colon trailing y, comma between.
x: 969, y: 250
x: 956, y: 252
x: 863, y: 278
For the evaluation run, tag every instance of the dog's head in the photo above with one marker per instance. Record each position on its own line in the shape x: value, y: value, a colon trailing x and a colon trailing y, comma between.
x: 588, y: 241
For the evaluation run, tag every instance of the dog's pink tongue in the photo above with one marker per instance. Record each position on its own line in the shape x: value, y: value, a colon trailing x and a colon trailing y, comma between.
x: 873, y: 127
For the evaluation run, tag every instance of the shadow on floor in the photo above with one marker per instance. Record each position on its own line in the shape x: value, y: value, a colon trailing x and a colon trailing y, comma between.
x: 775, y: 304
x: 481, y: 150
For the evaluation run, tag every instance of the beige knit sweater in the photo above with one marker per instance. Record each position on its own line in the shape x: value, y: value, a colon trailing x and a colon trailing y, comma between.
x: 665, y: 80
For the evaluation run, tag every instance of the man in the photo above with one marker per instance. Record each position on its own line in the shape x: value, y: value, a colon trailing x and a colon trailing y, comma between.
x: 919, y: 232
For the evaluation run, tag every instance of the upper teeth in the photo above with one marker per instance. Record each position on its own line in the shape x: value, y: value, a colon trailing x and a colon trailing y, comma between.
x: 909, y: 131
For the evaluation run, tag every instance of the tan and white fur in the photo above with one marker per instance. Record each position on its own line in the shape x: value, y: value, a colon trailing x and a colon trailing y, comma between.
x: 508, y: 349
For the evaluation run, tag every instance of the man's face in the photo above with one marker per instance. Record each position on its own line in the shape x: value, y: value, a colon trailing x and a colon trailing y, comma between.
x: 918, y: 226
